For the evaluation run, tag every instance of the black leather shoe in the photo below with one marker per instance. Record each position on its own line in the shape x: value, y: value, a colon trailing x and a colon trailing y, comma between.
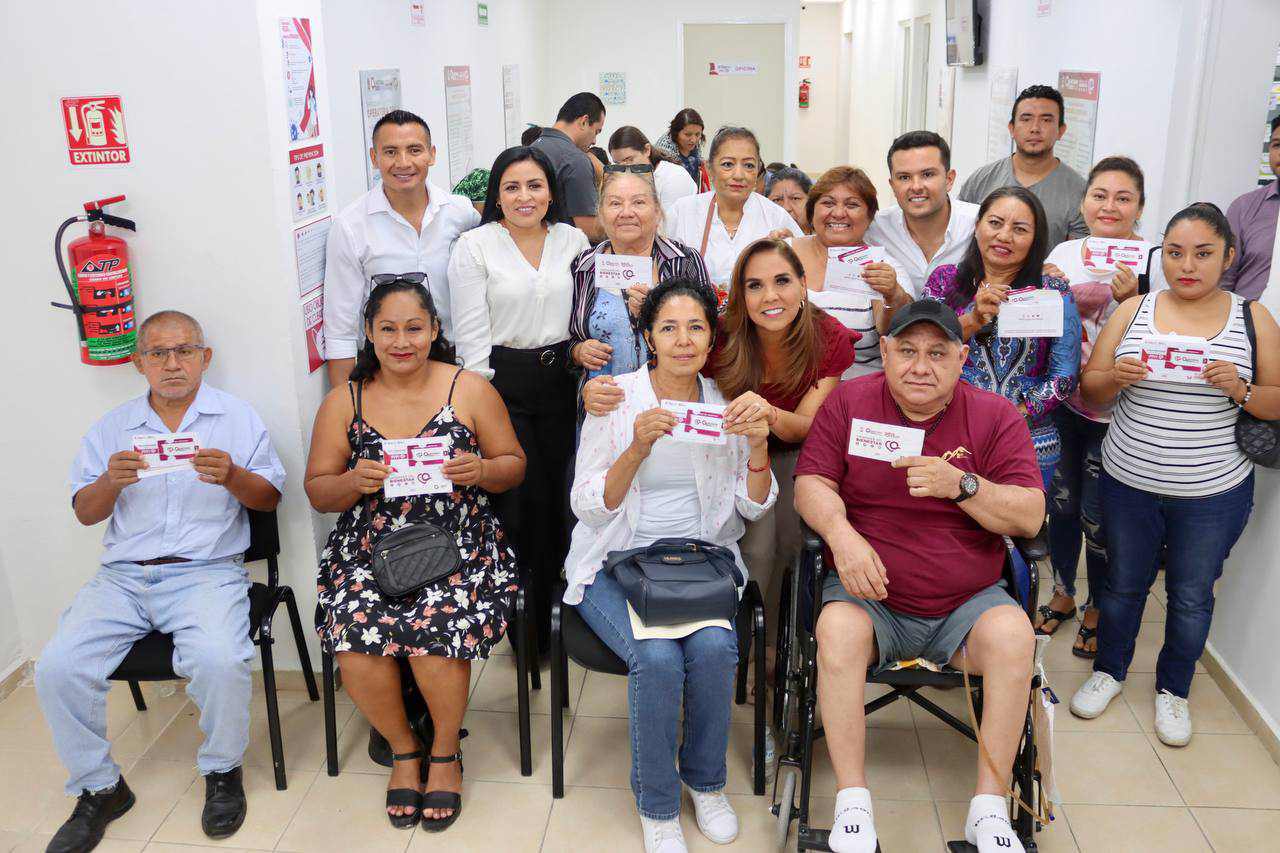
x: 89, y: 819
x: 224, y: 804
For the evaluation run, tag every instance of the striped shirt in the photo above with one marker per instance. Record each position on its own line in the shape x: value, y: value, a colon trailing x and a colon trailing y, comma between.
x: 1176, y: 438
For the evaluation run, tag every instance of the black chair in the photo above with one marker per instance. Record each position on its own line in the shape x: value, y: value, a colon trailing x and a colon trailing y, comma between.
x: 521, y: 627
x: 795, y: 702
x: 151, y: 658
x: 573, y: 638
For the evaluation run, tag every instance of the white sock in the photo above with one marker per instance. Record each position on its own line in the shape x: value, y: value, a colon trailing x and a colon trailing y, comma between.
x: 987, y: 827
x: 854, y: 829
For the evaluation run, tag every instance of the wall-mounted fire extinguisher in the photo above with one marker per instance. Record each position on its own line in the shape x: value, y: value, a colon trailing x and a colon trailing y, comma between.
x: 804, y: 93
x: 99, y: 285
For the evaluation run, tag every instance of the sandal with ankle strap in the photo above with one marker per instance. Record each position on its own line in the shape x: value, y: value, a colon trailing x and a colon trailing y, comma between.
x: 405, y: 797
x: 442, y: 799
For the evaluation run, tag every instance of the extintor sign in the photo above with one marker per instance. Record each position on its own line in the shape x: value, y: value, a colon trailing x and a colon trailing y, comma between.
x: 95, y: 130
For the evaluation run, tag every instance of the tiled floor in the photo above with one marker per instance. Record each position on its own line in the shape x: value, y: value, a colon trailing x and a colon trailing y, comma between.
x: 1122, y: 789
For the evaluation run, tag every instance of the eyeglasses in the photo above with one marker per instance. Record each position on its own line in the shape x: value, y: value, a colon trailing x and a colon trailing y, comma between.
x: 185, y: 352
x: 393, y: 278
x: 633, y: 168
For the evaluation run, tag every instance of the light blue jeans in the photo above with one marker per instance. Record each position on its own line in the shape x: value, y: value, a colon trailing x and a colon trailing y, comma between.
x: 697, y: 669
x: 205, y: 605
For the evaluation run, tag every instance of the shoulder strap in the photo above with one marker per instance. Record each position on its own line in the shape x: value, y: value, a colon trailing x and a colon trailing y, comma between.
x: 1251, y: 334
x: 706, y: 229
x: 359, y: 419
x: 453, y: 385
x: 1144, y: 277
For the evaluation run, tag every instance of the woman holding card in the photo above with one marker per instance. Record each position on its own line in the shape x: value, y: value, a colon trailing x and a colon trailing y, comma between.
x: 1173, y: 476
x: 1035, y: 371
x: 638, y: 481
x: 840, y: 206
x: 406, y: 386
x: 1111, y: 206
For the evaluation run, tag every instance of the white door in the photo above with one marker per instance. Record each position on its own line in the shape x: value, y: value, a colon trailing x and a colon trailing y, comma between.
x: 735, y: 74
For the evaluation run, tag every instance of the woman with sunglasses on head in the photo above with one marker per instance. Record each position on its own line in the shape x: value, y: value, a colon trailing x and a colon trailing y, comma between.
x: 406, y: 384
x: 628, y: 146
x: 512, y: 296
x: 683, y: 140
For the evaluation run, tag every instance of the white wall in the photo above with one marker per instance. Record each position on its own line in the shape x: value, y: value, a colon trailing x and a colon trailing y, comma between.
x: 12, y: 650
x: 643, y: 40
x: 817, y: 128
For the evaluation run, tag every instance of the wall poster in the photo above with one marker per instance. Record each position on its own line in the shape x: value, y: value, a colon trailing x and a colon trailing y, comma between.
x: 457, y: 115
x: 1265, y: 175
x: 307, y: 182
x: 299, y: 78
x: 613, y: 87
x: 1080, y: 91
x: 511, y: 104
x: 1004, y: 90
x: 379, y: 95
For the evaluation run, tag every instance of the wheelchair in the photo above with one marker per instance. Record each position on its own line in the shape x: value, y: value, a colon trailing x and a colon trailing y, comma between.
x: 795, y: 697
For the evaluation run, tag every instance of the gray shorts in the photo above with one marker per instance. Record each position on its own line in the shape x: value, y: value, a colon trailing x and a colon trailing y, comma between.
x: 901, y: 636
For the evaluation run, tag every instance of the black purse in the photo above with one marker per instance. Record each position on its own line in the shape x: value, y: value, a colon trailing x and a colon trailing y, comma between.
x: 1258, y: 439
x: 674, y: 581
x: 412, y: 557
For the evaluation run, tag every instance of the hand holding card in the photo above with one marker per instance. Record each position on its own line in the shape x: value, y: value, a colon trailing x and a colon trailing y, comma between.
x: 166, y: 454
x: 701, y: 423
x: 1175, y: 358
x: 846, y: 269
x: 1031, y: 312
x: 416, y: 467
x: 884, y: 442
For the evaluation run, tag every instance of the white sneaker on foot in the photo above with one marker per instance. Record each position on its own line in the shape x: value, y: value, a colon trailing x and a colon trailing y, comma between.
x: 1095, y: 695
x: 1173, y: 719
x: 987, y: 827
x: 716, y: 817
x: 662, y: 836
x: 853, y: 830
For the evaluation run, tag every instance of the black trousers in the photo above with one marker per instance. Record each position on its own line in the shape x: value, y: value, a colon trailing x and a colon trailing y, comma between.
x: 540, y: 394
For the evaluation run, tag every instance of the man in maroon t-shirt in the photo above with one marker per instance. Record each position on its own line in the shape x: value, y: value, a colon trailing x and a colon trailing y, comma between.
x: 912, y: 478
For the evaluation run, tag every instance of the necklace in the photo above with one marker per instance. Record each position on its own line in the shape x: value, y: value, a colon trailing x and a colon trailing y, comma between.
x: 907, y: 421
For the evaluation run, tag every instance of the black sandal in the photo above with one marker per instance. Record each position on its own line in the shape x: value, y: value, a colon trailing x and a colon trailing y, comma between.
x: 405, y: 797
x: 1085, y: 635
x: 442, y: 799
x: 1059, y: 616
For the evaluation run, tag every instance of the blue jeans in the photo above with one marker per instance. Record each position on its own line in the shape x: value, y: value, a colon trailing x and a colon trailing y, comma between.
x: 1074, y: 506
x: 1198, y: 533
x: 698, y: 668
x: 205, y: 605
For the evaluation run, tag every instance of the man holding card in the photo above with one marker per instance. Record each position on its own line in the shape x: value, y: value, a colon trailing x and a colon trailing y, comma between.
x: 915, y: 449
x: 171, y: 472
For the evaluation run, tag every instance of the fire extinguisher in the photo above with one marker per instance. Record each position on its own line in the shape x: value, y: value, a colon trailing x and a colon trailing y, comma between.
x: 99, y: 285
x: 804, y: 93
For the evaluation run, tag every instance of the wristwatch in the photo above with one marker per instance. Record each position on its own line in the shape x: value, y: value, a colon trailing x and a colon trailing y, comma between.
x: 968, y: 487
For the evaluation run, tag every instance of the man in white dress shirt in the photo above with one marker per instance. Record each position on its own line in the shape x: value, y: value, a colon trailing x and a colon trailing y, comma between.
x: 928, y: 228
x: 405, y: 224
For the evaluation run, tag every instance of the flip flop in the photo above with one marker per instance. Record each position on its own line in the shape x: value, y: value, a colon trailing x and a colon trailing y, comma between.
x: 1059, y: 616
x: 1085, y: 635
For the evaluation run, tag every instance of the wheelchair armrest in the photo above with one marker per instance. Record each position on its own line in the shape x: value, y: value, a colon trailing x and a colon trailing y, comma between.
x: 1034, y: 548
x: 811, y: 540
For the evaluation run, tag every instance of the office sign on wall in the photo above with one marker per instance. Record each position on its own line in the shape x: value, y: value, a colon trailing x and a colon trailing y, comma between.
x: 1080, y: 93
x: 95, y: 130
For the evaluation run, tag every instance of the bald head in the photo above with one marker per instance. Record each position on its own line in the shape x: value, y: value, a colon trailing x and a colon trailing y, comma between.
x: 170, y: 318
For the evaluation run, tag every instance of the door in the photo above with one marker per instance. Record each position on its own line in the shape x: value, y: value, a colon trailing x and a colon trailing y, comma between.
x: 736, y: 74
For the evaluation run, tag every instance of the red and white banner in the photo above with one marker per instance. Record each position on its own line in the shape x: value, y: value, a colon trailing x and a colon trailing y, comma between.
x: 95, y: 130
x: 299, y: 78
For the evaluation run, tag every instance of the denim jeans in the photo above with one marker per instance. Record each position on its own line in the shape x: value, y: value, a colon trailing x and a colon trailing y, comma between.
x: 699, y: 669
x: 205, y: 605
x: 1074, y: 507
x: 1198, y: 533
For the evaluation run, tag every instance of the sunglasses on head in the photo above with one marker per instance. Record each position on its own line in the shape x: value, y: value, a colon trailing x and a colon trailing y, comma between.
x: 394, y: 278
x: 633, y: 168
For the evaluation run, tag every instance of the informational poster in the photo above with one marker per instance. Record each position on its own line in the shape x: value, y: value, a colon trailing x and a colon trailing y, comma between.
x: 299, y: 78
x: 1004, y: 91
x: 613, y: 87
x: 1080, y: 90
x: 725, y: 69
x: 313, y: 325
x: 417, y: 13
x: 308, y: 250
x: 511, y: 104
x: 482, y: 14
x: 457, y: 117
x: 806, y: 61
x: 1265, y: 175
x: 95, y: 130
x: 379, y: 95
x: 307, y: 182
x: 1044, y: 8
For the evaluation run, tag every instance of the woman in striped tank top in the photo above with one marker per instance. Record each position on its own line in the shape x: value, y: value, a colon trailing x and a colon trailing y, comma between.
x: 1172, y: 474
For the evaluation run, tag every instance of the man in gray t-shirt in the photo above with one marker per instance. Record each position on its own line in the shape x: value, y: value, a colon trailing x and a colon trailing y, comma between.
x: 1036, y: 126
x: 577, y: 125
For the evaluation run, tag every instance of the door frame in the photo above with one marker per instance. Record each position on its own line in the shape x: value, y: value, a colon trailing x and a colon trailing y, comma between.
x: 791, y: 74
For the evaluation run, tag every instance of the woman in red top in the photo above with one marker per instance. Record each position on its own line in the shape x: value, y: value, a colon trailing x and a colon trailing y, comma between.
x: 779, y: 357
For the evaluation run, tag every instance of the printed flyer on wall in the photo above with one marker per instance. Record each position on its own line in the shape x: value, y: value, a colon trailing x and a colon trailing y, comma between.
x: 379, y: 95
x: 457, y: 116
x: 313, y: 325
x: 299, y: 78
x: 1081, y: 91
x: 307, y: 182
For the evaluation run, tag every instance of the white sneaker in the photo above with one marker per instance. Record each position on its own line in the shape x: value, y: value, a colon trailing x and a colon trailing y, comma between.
x: 1095, y: 695
x: 716, y: 817
x: 1173, y: 719
x: 662, y: 836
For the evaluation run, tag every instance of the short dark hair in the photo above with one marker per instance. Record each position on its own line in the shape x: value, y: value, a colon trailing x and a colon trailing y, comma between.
x: 504, y: 161
x: 1124, y: 165
x: 920, y: 139
x: 683, y: 119
x: 582, y: 104
x: 671, y: 288
x: 729, y: 132
x: 972, y: 269
x: 600, y: 154
x: 1041, y: 91
x: 1275, y: 122
x: 786, y: 173
x: 367, y: 364
x: 400, y: 117
x: 530, y: 135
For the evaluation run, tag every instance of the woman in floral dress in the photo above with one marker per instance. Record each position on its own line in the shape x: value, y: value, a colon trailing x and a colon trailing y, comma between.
x: 408, y: 386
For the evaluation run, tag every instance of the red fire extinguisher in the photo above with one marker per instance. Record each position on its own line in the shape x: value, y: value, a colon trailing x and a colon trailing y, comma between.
x: 804, y: 93
x: 99, y: 285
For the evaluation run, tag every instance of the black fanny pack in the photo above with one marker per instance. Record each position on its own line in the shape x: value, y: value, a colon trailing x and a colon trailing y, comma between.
x: 674, y: 581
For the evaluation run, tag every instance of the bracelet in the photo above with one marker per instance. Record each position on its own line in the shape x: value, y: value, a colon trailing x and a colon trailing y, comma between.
x: 1248, y: 392
x: 760, y: 470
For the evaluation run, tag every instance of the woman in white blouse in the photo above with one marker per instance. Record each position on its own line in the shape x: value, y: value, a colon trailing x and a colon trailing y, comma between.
x: 637, y: 483
x: 723, y: 222
x: 628, y: 146
x: 512, y: 292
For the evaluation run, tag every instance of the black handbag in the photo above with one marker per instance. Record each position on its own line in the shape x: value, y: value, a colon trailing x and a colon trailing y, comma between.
x: 674, y: 581
x: 414, y: 556
x: 1258, y: 439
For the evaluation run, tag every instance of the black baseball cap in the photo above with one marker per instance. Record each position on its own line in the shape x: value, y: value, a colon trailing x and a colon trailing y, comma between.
x: 927, y: 311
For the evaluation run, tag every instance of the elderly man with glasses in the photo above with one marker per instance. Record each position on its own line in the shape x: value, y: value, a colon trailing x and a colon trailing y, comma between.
x: 171, y: 472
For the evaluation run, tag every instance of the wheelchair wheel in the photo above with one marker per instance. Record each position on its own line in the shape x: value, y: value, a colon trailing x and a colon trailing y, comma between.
x: 786, y: 801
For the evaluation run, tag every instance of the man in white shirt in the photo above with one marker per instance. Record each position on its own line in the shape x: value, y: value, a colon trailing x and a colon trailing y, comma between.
x: 928, y: 228
x: 406, y: 224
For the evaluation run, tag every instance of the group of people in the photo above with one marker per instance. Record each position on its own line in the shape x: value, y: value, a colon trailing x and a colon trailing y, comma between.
x: 501, y: 325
